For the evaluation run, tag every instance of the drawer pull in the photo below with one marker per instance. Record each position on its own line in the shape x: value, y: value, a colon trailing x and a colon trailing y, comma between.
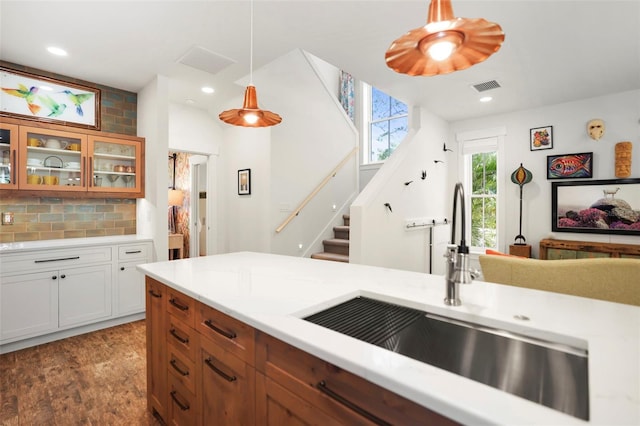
x: 174, y: 364
x: 133, y: 252
x: 178, y: 305
x: 183, y: 406
x: 154, y: 294
x: 227, y: 334
x: 322, y: 387
x: 228, y: 378
x: 181, y: 339
x: 57, y: 260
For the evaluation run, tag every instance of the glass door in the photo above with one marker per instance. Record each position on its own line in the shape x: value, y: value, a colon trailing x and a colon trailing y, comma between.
x: 52, y: 160
x: 114, y: 164
x: 8, y: 156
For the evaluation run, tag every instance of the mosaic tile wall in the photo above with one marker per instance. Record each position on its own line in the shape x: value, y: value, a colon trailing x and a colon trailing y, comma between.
x: 54, y: 218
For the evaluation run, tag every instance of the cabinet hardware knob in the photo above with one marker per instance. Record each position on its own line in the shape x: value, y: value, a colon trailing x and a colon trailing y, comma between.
x: 133, y: 252
x: 122, y: 268
x: 228, y: 378
x: 181, y: 339
x: 322, y: 387
x: 63, y: 276
x: 178, y: 305
x: 154, y: 294
x: 174, y: 364
x: 54, y: 277
x: 57, y: 260
x: 183, y: 406
x: 227, y: 334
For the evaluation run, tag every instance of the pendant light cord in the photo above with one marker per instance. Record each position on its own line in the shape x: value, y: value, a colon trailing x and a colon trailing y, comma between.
x: 251, y: 49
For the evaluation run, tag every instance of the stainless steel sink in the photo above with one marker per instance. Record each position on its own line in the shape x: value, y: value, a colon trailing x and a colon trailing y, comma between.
x: 552, y: 374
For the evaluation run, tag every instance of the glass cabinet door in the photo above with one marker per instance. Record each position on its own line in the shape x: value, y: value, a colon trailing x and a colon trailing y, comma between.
x: 114, y: 164
x: 8, y: 156
x: 52, y: 160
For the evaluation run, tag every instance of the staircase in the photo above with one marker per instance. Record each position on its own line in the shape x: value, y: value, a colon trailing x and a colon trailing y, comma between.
x: 337, y: 248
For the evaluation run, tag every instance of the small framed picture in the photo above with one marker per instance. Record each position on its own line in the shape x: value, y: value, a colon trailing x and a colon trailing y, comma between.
x: 570, y: 166
x: 541, y: 138
x: 244, y: 182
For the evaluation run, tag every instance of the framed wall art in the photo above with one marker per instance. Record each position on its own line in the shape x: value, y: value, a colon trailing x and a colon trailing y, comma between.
x: 570, y: 166
x: 244, y: 182
x: 596, y: 206
x: 31, y: 97
x: 541, y: 138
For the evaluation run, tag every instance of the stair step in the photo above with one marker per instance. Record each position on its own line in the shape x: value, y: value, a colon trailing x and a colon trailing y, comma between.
x: 346, y: 219
x: 341, y: 232
x: 336, y: 245
x: 331, y: 256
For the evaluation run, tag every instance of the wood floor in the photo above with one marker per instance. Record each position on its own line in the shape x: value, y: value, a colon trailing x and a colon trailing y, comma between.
x: 97, y: 378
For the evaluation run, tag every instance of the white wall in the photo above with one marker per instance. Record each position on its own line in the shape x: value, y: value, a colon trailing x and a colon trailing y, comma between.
x: 153, y: 113
x: 621, y: 113
x: 379, y: 236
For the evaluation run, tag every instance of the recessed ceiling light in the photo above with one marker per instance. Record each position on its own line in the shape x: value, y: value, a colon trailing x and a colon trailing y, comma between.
x: 208, y: 90
x: 486, y: 99
x: 57, y: 51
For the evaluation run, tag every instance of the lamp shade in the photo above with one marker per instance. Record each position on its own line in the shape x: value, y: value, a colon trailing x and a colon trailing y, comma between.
x: 176, y: 197
x: 445, y: 44
x: 250, y: 115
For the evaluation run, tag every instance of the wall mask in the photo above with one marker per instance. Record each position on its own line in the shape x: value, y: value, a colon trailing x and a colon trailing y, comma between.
x: 595, y: 128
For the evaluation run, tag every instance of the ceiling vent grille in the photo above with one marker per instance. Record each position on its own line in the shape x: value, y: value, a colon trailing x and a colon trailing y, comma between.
x: 205, y: 60
x: 486, y: 85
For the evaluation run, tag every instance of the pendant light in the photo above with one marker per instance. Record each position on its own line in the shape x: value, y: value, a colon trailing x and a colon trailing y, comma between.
x: 250, y: 115
x: 445, y: 44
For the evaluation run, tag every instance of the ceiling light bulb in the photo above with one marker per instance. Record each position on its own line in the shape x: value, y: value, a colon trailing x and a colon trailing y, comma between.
x: 208, y: 90
x: 250, y: 118
x: 441, y: 50
x: 56, y: 51
x: 486, y: 99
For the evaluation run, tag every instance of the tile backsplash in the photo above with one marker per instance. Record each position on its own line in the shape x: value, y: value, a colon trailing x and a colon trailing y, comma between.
x: 55, y: 218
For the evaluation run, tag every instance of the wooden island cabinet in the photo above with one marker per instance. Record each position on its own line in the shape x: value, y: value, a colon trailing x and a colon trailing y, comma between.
x: 220, y: 371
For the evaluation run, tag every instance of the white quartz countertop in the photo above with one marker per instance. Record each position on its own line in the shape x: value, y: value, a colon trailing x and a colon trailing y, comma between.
x: 69, y: 243
x: 272, y: 293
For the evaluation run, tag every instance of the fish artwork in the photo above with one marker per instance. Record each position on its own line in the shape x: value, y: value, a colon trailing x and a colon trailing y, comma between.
x: 28, y: 94
x: 78, y: 99
x: 578, y: 165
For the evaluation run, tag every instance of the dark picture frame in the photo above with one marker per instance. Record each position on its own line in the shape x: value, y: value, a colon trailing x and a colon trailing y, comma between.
x: 609, y: 206
x: 541, y: 138
x: 33, y: 97
x: 570, y: 166
x: 244, y: 182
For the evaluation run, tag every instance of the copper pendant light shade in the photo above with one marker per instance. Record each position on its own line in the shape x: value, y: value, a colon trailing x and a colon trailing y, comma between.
x: 445, y: 44
x: 250, y: 115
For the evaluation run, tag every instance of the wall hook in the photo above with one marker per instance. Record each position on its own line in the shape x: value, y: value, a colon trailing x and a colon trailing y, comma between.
x: 438, y: 161
x: 445, y: 149
x: 408, y: 183
x: 423, y: 175
x: 387, y: 205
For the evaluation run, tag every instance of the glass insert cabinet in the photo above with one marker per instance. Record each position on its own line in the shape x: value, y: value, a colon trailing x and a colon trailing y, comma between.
x: 50, y: 160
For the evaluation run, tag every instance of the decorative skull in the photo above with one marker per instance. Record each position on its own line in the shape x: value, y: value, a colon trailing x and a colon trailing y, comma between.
x: 595, y: 128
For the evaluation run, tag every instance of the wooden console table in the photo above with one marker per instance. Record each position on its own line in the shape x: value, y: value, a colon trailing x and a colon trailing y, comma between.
x: 564, y: 249
x: 176, y: 241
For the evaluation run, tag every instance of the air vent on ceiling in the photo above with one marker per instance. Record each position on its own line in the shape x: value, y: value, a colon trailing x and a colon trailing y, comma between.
x: 486, y: 85
x: 204, y: 60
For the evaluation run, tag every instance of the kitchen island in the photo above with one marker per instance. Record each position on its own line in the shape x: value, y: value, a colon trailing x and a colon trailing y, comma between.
x: 271, y: 294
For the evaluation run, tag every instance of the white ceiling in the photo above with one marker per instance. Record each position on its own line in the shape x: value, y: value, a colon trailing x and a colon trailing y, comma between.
x: 554, y: 51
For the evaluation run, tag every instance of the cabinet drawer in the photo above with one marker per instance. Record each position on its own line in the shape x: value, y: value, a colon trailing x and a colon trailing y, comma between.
x: 181, y: 306
x: 134, y: 251
x: 183, y: 405
x: 344, y: 396
x: 54, y: 259
x: 182, y: 368
x: 229, y: 333
x: 182, y: 337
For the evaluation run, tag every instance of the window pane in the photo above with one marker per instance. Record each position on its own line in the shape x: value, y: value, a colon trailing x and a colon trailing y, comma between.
x: 483, y: 222
x: 398, y: 128
x: 380, y: 104
x: 477, y: 177
x: 398, y: 108
x: 491, y: 174
x: 379, y: 141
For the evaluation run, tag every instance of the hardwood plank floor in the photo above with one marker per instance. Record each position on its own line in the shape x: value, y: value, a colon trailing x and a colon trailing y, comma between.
x: 97, y: 378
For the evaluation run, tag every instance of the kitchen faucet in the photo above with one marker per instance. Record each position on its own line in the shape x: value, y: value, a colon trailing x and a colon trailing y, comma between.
x: 457, y: 257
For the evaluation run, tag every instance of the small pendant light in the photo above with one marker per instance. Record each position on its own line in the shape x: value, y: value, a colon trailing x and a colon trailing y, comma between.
x: 445, y: 44
x: 250, y: 115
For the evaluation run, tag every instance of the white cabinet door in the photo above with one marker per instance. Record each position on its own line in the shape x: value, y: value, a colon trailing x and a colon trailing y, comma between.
x: 84, y: 294
x: 28, y: 305
x: 130, y: 297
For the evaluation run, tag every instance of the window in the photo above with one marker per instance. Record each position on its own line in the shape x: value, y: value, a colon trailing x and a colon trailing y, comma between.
x: 387, y: 123
x: 481, y: 185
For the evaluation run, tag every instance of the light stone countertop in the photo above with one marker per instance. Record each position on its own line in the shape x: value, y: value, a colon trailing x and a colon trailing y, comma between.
x: 6, y: 248
x: 272, y: 293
